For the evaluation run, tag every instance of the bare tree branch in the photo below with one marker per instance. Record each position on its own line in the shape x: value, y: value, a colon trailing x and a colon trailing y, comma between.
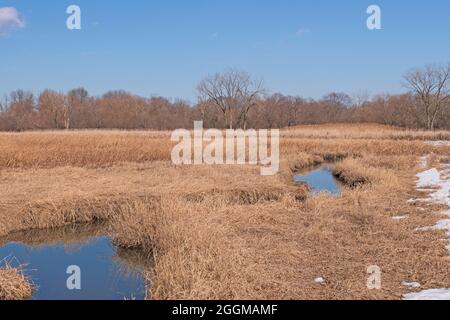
x: 234, y: 93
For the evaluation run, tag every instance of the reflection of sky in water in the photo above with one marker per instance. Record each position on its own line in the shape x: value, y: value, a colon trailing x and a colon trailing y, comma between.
x: 102, y: 275
x: 321, y: 180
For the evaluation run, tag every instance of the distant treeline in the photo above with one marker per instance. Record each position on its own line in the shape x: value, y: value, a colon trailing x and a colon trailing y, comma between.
x: 76, y: 109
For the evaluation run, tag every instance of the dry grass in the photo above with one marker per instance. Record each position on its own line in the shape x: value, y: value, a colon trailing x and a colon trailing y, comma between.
x: 212, y: 250
x: 353, y: 173
x: 14, y: 285
x: 363, y: 131
x: 106, y: 148
x: 45, y: 198
x: 227, y: 232
x: 86, y: 149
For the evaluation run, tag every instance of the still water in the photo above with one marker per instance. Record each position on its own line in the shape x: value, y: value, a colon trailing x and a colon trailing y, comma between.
x: 320, y: 180
x: 107, y: 272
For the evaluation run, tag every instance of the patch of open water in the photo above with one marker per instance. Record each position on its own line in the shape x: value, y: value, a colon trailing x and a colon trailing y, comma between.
x: 320, y: 180
x: 107, y: 272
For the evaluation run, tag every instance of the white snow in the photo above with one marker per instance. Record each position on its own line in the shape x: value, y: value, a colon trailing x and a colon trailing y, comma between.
x: 319, y: 280
x: 440, y: 194
x: 413, y: 285
x: 439, y: 143
x: 428, y: 178
x: 444, y: 225
x: 433, y: 294
x: 400, y: 217
x: 432, y: 178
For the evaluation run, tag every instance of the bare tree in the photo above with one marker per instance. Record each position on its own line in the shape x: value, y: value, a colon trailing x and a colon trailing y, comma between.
x: 22, y: 110
x: 75, y: 99
x: 231, y: 99
x: 360, y: 99
x: 4, y: 104
x: 234, y: 93
x: 50, y: 106
x: 338, y: 99
x: 431, y: 85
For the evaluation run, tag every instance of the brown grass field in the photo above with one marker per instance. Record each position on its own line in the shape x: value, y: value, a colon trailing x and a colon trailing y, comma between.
x: 226, y: 232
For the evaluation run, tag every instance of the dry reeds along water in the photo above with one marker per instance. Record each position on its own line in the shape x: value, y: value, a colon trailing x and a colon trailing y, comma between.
x: 226, y: 232
x: 13, y: 284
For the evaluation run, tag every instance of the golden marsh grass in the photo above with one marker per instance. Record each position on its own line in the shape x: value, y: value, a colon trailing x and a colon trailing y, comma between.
x: 225, y: 232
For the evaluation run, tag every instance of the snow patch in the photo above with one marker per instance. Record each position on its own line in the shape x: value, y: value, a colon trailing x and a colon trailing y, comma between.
x: 444, y: 225
x: 400, y: 217
x: 440, y: 194
x: 433, y: 294
x: 428, y: 178
x: 413, y: 285
x: 439, y: 143
x: 320, y: 280
x: 432, y: 178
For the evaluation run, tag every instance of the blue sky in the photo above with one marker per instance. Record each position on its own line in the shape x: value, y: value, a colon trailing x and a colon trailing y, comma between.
x: 165, y: 47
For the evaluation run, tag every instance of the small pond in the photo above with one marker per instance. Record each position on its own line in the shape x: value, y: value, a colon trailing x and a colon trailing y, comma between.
x: 320, y: 179
x: 107, y: 272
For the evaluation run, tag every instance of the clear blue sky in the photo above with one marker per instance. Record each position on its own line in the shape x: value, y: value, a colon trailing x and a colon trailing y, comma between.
x: 165, y: 47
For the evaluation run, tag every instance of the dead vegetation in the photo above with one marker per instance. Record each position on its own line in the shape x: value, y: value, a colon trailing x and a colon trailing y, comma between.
x: 363, y: 131
x: 85, y: 149
x: 226, y: 232
x: 13, y: 284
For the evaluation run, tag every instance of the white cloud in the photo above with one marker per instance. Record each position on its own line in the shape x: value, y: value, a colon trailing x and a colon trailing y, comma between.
x: 10, y: 20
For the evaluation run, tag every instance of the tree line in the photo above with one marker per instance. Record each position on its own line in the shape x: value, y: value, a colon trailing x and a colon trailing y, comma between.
x: 231, y: 100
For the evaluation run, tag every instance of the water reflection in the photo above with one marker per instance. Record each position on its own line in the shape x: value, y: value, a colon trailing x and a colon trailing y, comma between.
x: 107, y: 273
x: 320, y: 180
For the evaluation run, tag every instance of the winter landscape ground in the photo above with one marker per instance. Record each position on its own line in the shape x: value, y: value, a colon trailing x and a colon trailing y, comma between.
x: 226, y: 232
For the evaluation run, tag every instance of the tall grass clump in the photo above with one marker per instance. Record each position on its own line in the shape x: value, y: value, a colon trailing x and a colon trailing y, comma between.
x: 13, y: 284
